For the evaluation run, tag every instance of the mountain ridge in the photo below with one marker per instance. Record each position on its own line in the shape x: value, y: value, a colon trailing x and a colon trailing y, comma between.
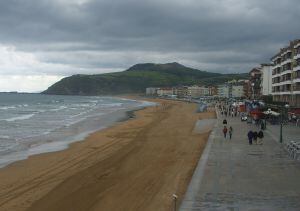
x: 136, y: 78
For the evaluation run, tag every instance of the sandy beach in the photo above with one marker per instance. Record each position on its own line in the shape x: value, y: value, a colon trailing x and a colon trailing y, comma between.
x: 134, y: 165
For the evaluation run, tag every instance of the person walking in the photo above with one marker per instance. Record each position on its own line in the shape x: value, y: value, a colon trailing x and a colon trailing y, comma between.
x: 230, y: 132
x: 250, y: 137
x: 224, y: 122
x: 225, y: 131
x: 260, y: 136
x: 255, y: 135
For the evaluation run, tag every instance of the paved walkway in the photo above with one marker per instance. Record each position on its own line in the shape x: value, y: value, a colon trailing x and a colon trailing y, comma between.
x: 290, y: 132
x: 232, y: 175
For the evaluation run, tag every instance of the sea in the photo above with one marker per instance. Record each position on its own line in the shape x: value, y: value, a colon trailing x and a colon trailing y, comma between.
x: 36, y: 123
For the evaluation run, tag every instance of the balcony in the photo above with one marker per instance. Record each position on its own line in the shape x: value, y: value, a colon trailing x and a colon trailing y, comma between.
x: 285, y: 72
x: 296, y: 89
x: 297, y: 45
x: 276, y: 66
x: 297, y: 56
x: 297, y: 79
x: 289, y: 60
x: 297, y: 68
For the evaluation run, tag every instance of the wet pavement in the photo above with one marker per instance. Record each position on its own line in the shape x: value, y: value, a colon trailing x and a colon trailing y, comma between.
x: 233, y: 175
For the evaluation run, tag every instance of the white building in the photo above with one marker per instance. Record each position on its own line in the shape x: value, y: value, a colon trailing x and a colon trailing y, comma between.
x: 151, y: 91
x: 266, y: 81
x: 286, y: 74
x: 223, y: 91
x: 237, y: 91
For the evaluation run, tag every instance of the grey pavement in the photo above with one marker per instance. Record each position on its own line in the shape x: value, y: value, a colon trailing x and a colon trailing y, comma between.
x: 232, y: 175
x: 290, y: 132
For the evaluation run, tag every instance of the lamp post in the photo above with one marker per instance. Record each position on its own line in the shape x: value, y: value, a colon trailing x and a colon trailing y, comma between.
x: 175, y: 200
x: 253, y: 95
x: 286, y: 106
x: 268, y: 114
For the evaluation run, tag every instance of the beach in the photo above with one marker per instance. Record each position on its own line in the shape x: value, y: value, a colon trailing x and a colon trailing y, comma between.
x: 134, y: 165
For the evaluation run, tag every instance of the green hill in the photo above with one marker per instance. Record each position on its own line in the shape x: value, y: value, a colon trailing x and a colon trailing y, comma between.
x: 136, y: 79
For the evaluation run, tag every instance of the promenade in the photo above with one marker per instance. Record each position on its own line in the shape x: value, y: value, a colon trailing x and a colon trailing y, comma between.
x: 233, y: 175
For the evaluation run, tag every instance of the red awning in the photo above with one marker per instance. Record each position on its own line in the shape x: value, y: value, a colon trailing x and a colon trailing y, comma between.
x: 295, y: 111
x: 256, y: 114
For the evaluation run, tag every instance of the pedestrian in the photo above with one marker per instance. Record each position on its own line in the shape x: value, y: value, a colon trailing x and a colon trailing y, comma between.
x: 255, y: 135
x: 260, y: 136
x: 225, y: 131
x: 262, y: 126
x: 224, y: 122
x: 250, y: 137
x: 230, y: 132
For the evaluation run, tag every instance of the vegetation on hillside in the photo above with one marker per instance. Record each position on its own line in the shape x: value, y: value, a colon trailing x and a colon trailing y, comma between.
x: 136, y: 79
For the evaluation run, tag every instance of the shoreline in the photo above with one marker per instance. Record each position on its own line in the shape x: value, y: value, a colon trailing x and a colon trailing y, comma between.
x: 81, y: 156
x: 64, y: 143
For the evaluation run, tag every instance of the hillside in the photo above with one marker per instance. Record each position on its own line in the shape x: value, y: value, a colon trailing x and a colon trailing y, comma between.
x: 136, y: 79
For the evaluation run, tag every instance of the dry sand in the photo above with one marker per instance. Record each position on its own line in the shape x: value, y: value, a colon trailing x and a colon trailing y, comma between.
x: 134, y: 165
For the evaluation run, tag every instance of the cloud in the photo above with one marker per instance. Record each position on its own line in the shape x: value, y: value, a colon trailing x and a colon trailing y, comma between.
x: 62, y: 37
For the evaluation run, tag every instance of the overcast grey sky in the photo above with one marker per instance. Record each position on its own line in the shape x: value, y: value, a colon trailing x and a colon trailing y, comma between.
x: 42, y: 41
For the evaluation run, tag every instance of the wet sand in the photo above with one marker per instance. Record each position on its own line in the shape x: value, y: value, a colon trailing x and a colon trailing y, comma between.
x: 134, y: 165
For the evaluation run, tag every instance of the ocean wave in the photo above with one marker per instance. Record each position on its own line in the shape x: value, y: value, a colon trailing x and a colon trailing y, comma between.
x: 4, y: 137
x: 22, y: 117
x: 147, y: 103
x: 59, y: 108
x: 111, y: 105
x: 7, y: 107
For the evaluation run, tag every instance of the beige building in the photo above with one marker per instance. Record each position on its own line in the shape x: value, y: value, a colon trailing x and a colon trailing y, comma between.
x: 286, y: 74
x: 181, y: 91
x: 197, y: 91
x: 164, y: 91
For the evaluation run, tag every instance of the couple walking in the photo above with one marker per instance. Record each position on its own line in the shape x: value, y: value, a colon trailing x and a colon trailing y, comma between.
x: 252, y: 136
x: 225, y: 130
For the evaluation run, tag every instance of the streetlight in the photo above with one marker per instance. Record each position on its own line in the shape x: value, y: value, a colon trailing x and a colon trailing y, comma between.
x: 253, y: 95
x: 175, y: 200
x: 286, y: 106
x: 268, y: 114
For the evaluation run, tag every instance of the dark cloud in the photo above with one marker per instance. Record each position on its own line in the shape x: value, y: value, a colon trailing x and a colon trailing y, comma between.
x: 214, y: 35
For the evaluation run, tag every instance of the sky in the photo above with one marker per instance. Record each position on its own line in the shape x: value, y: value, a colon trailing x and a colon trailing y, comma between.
x: 42, y: 41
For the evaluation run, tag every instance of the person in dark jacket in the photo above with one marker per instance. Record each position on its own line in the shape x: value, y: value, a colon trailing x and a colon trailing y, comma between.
x: 224, y: 122
x: 250, y: 137
x: 260, y: 137
x: 255, y: 134
x: 225, y: 131
x: 230, y: 132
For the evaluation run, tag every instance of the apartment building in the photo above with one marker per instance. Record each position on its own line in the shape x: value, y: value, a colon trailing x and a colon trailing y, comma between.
x: 286, y: 74
x: 223, y: 91
x: 197, y: 91
x: 237, y: 91
x: 255, y: 91
x: 151, y: 91
x: 212, y: 90
x: 181, y: 91
x: 266, y: 79
x: 164, y: 91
